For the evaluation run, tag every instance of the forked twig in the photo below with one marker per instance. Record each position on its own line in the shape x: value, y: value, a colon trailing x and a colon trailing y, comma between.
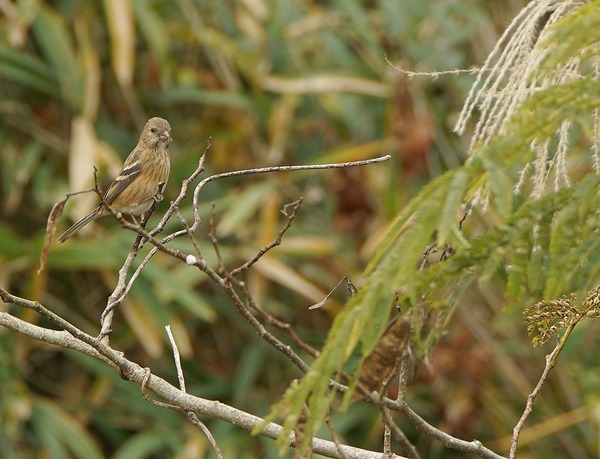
x: 190, y: 415
x: 290, y: 217
x: 550, y: 364
x: 277, y: 323
x: 122, y: 288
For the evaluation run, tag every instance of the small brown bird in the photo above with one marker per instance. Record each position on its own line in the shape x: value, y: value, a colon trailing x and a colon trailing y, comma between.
x: 143, y: 177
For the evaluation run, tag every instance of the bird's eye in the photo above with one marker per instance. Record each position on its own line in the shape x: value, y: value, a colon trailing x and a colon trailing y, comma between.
x: 153, y: 130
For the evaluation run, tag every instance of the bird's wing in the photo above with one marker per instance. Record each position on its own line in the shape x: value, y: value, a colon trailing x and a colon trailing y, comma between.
x: 131, y: 169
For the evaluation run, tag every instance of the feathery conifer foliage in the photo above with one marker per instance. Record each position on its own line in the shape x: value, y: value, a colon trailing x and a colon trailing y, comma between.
x: 537, y: 96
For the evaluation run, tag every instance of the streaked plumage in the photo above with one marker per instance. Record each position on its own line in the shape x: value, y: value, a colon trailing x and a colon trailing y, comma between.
x: 143, y: 176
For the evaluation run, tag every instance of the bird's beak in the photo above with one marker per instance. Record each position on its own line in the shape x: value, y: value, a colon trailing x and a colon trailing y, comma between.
x: 166, y: 136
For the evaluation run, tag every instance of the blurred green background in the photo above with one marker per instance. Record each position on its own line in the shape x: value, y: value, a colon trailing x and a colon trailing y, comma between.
x: 270, y: 82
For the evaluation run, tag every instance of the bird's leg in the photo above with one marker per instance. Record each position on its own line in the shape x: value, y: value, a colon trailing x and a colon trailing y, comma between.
x: 139, y: 242
x: 145, y: 217
x: 159, y: 194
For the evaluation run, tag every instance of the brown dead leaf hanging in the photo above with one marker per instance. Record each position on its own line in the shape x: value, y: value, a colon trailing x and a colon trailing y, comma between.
x: 382, y: 362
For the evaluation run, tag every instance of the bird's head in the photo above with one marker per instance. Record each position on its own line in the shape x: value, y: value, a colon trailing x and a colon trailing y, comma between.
x: 157, y: 130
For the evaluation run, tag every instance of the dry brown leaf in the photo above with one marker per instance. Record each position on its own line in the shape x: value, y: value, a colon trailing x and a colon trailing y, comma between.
x: 53, y: 219
x: 382, y: 362
x: 121, y: 27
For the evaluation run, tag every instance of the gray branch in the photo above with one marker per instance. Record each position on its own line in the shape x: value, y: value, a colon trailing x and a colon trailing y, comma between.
x: 97, y: 348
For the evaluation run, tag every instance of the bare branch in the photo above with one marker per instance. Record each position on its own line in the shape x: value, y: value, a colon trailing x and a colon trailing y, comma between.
x: 399, y: 434
x: 334, y: 436
x: 262, y: 332
x: 52, y: 317
x: 191, y: 416
x: 550, y: 363
x: 118, y: 294
x: 387, y: 442
x: 290, y: 217
x: 190, y: 234
x: 59, y: 338
x: 174, y: 398
x: 264, y: 170
x: 212, y: 235
x: 472, y: 447
x: 177, y: 398
x: 176, y: 358
x: 277, y: 323
x: 122, y: 289
x: 183, y: 191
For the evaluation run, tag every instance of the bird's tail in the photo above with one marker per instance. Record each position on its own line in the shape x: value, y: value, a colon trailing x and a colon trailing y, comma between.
x: 80, y: 224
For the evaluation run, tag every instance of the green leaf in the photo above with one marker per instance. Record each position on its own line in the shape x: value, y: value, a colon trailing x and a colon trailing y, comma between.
x: 59, y: 433
x: 191, y: 95
x: 27, y: 70
x: 515, y: 285
x: 53, y: 38
x: 539, y: 255
x: 501, y: 187
x: 573, y: 33
x: 454, y: 199
x: 147, y: 443
x: 170, y: 287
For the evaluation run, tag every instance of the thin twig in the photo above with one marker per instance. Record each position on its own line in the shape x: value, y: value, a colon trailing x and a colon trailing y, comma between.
x: 387, y: 442
x: 122, y: 289
x: 472, y: 447
x: 271, y: 320
x: 118, y: 294
x: 399, y: 365
x: 227, y: 286
x: 334, y: 436
x: 144, y: 384
x: 52, y: 317
x: 264, y: 170
x: 190, y: 415
x: 262, y: 332
x: 277, y: 241
x: 176, y: 358
x: 60, y: 338
x: 277, y: 323
x: 190, y: 234
x: 133, y: 278
x: 184, y: 402
x: 212, y: 235
x: 183, y: 191
x: 550, y: 363
x: 402, y: 381
x: 399, y: 434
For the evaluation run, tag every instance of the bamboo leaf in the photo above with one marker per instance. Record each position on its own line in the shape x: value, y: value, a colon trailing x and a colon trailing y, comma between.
x: 27, y: 70
x: 53, y: 38
x: 501, y: 187
x: 454, y: 199
x: 60, y: 432
x: 122, y: 39
x: 515, y: 284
